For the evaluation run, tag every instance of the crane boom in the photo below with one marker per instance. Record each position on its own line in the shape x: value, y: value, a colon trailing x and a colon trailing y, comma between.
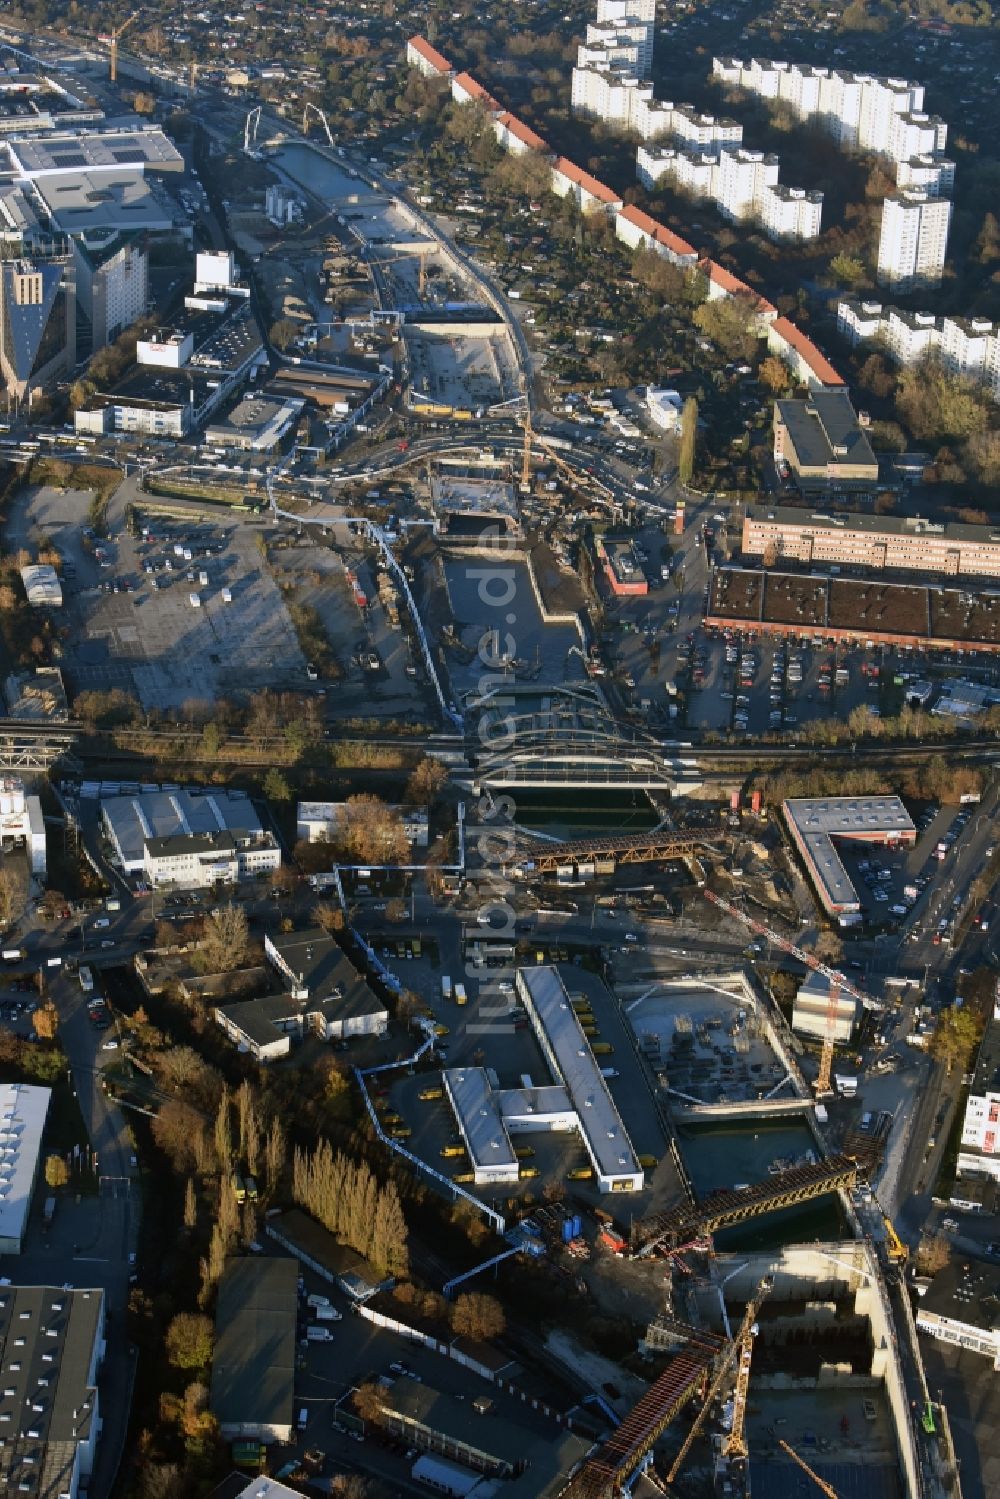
x: 821, y: 1483
x: 725, y: 1364
x: 762, y: 930
x: 116, y: 32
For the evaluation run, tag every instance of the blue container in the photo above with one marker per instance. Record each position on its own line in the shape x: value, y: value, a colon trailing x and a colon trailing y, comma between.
x: 567, y: 1230
x: 577, y: 1225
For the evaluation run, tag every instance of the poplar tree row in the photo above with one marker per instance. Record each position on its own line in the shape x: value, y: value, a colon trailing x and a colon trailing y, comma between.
x: 349, y: 1201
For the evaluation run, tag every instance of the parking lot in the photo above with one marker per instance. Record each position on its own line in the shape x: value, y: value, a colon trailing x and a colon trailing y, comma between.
x: 187, y: 609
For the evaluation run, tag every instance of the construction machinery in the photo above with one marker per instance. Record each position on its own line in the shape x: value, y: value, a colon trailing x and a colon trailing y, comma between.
x: 761, y: 930
x: 745, y: 1335
x: 116, y: 32
x: 896, y: 1251
x: 823, y: 1088
x: 821, y: 1483
x: 735, y: 1446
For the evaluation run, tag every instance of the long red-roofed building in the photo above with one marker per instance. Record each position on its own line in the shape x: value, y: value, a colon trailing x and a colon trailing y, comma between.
x: 468, y: 90
x: 571, y: 181
x: 427, y: 59
x: 801, y: 355
x: 637, y: 229
x: 514, y: 136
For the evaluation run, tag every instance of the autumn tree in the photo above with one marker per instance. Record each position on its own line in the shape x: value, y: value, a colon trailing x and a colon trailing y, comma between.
x: 688, y: 441
x: 732, y: 325
x: 372, y: 833
x: 395, y: 909
x: 330, y: 917
x: 476, y: 1315
x: 774, y: 374
x: 276, y: 787
x: 45, y: 1021
x: 368, y: 1402
x: 847, y: 270
x: 956, y: 1036
x: 934, y: 404
x: 283, y: 333
x: 225, y: 940
x: 189, y: 1341
x: 190, y: 1204
x: 425, y: 782
x: 56, y: 1171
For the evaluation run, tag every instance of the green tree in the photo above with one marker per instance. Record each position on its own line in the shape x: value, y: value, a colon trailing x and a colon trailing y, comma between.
x: 276, y: 787
x: 56, y: 1171
x: 225, y: 940
x: 189, y: 1341
x: 689, y: 440
x: 847, y: 270
x: 732, y: 325
x: 934, y: 404
x: 956, y: 1036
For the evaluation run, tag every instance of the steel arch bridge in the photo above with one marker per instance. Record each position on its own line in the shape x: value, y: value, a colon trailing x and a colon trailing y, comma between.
x: 569, y: 744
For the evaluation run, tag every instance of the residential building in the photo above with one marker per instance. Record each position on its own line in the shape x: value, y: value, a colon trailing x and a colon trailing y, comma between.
x: 913, y: 241
x: 52, y: 1345
x: 338, y: 1003
x: 962, y: 1306
x: 37, y: 322
x: 253, y: 1365
x: 790, y: 212
x: 804, y: 359
x: 427, y: 59
x: 881, y: 543
x: 23, y: 1111
x: 813, y: 1015
x: 934, y: 175
x: 514, y: 136
x: 742, y: 184
x: 965, y: 346
x: 819, y: 824
x: 822, y: 441
x: 979, y: 1148
x: 665, y: 408
x: 915, y: 133
x: 603, y: 93
x: 638, y: 230
x: 112, y: 283
x: 586, y: 192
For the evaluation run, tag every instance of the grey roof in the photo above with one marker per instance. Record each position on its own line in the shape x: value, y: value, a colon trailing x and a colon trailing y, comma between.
x: 478, y: 1113
x: 310, y: 1241
x: 312, y: 961
x: 824, y: 429
x: 576, y: 1068
x: 966, y: 1291
x: 176, y: 844
x: 23, y: 1111
x: 987, y: 1074
x: 162, y: 814
x: 817, y: 821
x: 253, y: 1368
x: 48, y: 1348
x: 873, y: 525
x: 94, y: 150
x: 261, y: 1020
x: 83, y: 200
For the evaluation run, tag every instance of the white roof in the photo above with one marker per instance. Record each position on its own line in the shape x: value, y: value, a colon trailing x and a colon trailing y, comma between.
x: 22, y: 1119
x: 41, y: 584
x: 600, y: 1122
x: 478, y: 1114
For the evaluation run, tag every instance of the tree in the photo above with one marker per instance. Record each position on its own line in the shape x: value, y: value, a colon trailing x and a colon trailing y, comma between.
x: 56, y: 1171
x: 987, y: 246
x: 225, y: 940
x: 45, y: 1021
x: 190, y: 1205
x: 330, y: 917
x: 476, y: 1315
x: 774, y: 374
x: 847, y: 270
x: 956, y: 1036
x: 372, y: 833
x: 13, y: 890
x: 283, y: 333
x: 732, y: 325
x: 276, y: 787
x: 425, y: 782
x: 274, y: 1154
x: 689, y: 440
x: 143, y: 103
x: 368, y: 1402
x: 189, y: 1341
x: 933, y: 403
x: 395, y: 909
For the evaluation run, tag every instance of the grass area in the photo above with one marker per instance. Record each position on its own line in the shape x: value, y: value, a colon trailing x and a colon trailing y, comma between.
x: 215, y: 493
x: 313, y: 639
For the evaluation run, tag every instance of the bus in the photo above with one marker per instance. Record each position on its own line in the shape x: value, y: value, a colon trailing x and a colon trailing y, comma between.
x: 239, y: 1187
x: 461, y: 997
x: 445, y: 986
x: 250, y: 1188
x: 86, y: 978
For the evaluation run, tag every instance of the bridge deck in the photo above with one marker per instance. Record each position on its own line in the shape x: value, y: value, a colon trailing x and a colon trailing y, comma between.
x: 630, y: 848
x: 612, y: 1465
x: 682, y: 1224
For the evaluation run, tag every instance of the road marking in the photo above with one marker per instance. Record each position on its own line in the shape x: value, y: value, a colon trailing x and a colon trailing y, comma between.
x: 90, y: 1259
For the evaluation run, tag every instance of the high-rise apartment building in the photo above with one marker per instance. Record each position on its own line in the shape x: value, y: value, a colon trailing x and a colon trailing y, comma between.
x: 913, y: 241
x: 37, y: 322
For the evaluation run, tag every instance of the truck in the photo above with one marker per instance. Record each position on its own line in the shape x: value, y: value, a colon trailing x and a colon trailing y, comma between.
x: 113, y: 903
x: 317, y: 1301
x: 445, y: 986
x: 12, y: 954
x: 326, y: 1314
x: 846, y: 1086
x: 86, y: 978
x: 461, y: 997
x: 315, y: 1334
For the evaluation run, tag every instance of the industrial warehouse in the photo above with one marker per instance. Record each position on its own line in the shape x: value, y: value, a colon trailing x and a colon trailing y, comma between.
x: 817, y: 825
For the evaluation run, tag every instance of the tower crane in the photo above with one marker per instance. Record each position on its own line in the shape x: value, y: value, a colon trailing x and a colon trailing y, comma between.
x: 116, y: 32
x: 821, y: 1483
x: 823, y: 1089
x: 747, y: 1327
x: 736, y: 1443
x: 760, y: 930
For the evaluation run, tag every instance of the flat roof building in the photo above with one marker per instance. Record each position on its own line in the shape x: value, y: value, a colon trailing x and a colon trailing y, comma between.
x: 315, y: 1246
x: 962, y: 1306
x: 979, y: 1150
x: 23, y: 1110
x: 194, y: 861
x: 337, y: 999
x: 257, y: 423
x: 818, y: 824
x: 822, y: 442
x: 477, y: 1112
x: 146, y: 148
x: 574, y: 1066
x: 906, y: 543
x: 132, y: 821
x: 253, y: 1367
x: 42, y: 586
x: 52, y: 1344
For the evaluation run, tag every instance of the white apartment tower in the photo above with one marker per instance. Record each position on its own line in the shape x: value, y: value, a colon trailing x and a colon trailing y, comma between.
x: 914, y: 240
